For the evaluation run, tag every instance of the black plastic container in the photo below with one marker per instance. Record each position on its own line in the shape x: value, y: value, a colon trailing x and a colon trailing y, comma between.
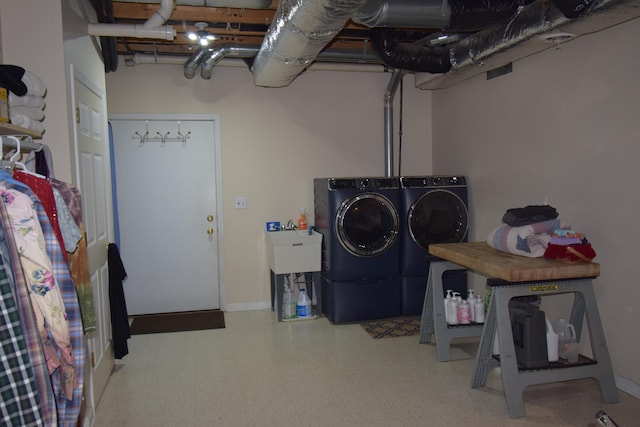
x: 529, y: 334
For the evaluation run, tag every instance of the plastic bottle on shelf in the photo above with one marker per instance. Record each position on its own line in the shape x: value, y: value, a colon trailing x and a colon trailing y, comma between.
x: 478, y: 310
x: 464, y: 312
x: 471, y: 299
x: 304, y: 304
x: 447, y: 300
x: 302, y: 221
x: 453, y: 308
x: 289, y: 307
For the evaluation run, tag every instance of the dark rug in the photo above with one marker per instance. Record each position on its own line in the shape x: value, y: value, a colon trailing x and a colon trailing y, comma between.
x: 396, y: 327
x: 177, y: 322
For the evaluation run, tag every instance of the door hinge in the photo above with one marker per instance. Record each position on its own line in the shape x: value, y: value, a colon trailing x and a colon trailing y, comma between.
x: 77, y: 114
x: 93, y: 360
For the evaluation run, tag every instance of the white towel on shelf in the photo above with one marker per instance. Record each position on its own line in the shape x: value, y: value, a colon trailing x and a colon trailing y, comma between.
x: 26, y: 101
x: 31, y: 112
x: 35, y: 86
x: 27, y: 123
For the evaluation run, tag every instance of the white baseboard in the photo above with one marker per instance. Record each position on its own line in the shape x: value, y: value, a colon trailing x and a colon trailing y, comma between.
x: 628, y: 386
x: 261, y: 305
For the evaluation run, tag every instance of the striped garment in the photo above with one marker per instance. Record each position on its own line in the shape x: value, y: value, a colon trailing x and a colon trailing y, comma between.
x: 20, y: 401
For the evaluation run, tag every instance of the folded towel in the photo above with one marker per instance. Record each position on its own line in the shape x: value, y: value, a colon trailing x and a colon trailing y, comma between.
x: 27, y: 123
x: 31, y: 112
x: 529, y: 240
x: 26, y: 101
x: 35, y: 86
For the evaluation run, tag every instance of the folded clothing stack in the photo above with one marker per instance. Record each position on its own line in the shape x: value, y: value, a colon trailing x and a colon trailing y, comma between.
x: 26, y: 97
x: 535, y: 231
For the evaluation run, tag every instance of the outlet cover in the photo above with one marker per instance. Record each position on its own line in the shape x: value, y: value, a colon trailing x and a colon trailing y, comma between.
x: 240, y: 203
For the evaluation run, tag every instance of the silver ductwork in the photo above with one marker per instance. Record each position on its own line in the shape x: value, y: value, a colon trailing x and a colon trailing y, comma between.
x: 299, y: 31
x: 210, y: 57
x: 522, y: 36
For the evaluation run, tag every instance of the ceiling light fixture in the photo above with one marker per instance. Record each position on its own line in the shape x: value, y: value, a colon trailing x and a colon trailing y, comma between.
x: 202, y: 36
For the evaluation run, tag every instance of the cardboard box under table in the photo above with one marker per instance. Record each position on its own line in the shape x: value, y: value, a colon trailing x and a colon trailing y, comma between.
x: 512, y: 277
x: 294, y: 251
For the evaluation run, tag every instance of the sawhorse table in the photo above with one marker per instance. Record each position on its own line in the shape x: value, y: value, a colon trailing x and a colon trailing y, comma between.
x: 521, y: 276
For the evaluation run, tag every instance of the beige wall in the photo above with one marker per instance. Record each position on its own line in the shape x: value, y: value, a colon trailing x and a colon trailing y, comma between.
x: 40, y: 50
x: 274, y: 142
x: 564, y: 126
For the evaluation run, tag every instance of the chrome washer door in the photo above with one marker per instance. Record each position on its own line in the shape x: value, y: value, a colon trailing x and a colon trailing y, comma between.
x: 438, y: 216
x: 367, y: 224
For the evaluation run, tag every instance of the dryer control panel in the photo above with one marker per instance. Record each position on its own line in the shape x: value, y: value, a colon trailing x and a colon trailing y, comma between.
x: 431, y: 181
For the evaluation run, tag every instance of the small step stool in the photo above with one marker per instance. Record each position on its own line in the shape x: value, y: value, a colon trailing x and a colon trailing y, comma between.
x: 515, y: 380
x: 433, y: 318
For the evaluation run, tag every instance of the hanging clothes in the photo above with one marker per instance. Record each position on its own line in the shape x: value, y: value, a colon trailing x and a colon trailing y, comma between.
x: 78, y: 261
x: 20, y: 404
x: 67, y: 410
x: 10, y: 257
x: 48, y: 304
x: 119, y: 318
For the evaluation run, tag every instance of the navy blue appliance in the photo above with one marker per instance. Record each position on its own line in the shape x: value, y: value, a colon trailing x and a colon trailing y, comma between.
x: 433, y: 209
x: 359, y: 221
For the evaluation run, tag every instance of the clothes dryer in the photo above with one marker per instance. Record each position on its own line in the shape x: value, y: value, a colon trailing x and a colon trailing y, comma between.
x: 359, y: 221
x: 434, y: 209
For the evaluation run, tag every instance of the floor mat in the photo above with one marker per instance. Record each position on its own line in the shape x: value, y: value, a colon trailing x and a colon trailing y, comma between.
x: 396, y: 327
x: 177, y: 322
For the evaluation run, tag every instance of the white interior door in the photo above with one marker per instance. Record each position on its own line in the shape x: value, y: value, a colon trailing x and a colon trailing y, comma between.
x: 166, y: 178
x: 94, y: 182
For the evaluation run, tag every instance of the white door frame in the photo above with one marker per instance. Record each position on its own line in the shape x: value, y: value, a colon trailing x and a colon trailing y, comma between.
x: 218, y: 165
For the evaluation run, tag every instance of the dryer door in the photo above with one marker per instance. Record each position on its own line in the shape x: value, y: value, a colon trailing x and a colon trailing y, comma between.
x: 438, y: 216
x: 367, y: 224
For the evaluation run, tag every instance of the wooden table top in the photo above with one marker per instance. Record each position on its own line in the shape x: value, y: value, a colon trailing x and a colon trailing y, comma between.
x: 483, y: 259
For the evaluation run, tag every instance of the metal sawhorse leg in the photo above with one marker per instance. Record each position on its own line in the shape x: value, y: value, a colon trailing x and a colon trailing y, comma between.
x: 277, y: 291
x: 514, y: 380
x: 433, y: 317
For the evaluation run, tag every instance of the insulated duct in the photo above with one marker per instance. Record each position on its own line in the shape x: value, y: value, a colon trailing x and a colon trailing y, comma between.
x: 450, y: 15
x: 221, y: 52
x: 299, y: 31
x: 522, y: 37
x: 516, y: 23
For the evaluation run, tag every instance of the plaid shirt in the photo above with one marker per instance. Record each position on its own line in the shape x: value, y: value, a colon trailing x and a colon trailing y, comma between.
x: 20, y: 405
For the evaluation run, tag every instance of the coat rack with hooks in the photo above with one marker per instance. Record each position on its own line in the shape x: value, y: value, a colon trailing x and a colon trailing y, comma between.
x: 160, y: 137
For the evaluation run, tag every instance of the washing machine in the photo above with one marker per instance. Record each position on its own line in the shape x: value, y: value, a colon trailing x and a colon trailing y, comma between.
x: 433, y: 209
x: 359, y: 221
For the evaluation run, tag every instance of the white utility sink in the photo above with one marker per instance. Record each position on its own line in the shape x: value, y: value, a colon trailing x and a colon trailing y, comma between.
x: 293, y: 251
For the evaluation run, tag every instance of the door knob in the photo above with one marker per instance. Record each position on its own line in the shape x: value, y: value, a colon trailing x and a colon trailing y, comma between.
x: 209, y: 230
x: 209, y: 218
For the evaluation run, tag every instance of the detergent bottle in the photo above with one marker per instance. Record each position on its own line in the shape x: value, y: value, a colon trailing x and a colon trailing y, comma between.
x: 304, y: 304
x: 302, y: 221
x: 552, y: 342
x: 447, y: 300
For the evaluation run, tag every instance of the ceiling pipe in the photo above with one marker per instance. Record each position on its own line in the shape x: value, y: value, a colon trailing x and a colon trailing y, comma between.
x: 192, y: 63
x: 222, y: 51
x: 299, y: 31
x: 389, y: 95
x: 137, y: 58
x: 241, y: 4
x: 151, y: 29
